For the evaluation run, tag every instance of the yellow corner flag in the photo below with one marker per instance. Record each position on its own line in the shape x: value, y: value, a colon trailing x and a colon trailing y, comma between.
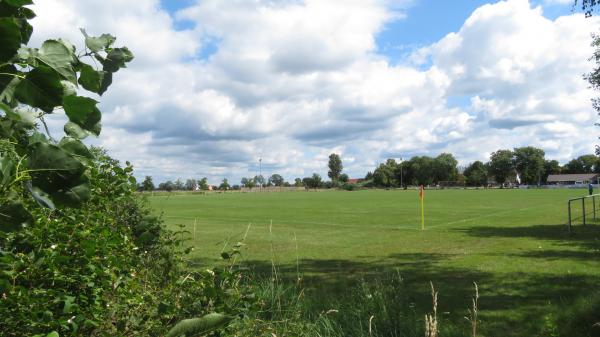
x: 422, y: 198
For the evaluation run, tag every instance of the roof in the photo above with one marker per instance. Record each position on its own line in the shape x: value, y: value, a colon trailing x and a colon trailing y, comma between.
x: 572, y: 177
x: 355, y: 180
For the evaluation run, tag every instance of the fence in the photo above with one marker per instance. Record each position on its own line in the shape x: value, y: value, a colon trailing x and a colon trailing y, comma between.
x: 576, y: 213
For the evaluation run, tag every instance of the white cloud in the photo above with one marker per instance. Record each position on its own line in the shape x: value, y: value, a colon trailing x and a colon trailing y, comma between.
x: 292, y: 81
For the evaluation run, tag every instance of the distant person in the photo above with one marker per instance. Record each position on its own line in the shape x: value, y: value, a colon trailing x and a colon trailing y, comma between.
x: 591, y: 188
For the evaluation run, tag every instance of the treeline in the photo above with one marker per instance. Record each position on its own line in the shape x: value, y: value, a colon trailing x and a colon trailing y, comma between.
x: 524, y: 165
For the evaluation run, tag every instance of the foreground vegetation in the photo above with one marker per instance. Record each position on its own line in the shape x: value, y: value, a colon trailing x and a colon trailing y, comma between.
x: 534, y: 279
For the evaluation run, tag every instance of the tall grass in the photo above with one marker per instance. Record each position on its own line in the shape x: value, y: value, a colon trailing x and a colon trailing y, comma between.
x: 380, y: 307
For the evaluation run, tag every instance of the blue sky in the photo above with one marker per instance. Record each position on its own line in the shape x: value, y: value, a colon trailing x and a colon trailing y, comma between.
x: 217, y: 84
x: 425, y: 22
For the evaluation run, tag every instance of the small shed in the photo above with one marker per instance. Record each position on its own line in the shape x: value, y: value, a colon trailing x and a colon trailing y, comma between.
x: 572, y: 179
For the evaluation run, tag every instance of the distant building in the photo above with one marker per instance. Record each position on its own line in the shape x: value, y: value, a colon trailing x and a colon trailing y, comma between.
x: 355, y: 181
x: 572, y: 179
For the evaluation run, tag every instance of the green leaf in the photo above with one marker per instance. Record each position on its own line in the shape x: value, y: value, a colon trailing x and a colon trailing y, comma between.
x: 75, y: 147
x: 7, y: 166
x: 10, y: 38
x: 41, y: 197
x: 13, y: 215
x: 83, y: 112
x: 57, y: 173
x: 75, y: 131
x: 41, y: 89
x: 116, y: 59
x: 97, y: 44
x: 198, y: 326
x: 70, y: 305
x: 8, y: 83
x: 59, y: 56
x: 94, y: 81
x: 18, y: 3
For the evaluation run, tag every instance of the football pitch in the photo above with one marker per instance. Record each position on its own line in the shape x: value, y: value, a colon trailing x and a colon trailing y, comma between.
x: 513, y: 243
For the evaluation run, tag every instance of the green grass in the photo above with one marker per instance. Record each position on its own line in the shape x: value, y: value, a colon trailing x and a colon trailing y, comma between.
x: 513, y: 243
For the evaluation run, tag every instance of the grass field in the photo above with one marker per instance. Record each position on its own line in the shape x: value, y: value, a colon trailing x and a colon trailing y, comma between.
x: 513, y: 243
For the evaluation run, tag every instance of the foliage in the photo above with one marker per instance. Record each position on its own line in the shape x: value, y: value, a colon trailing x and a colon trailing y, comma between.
x: 315, y: 181
x: 276, y: 180
x: 444, y: 168
x: 148, y: 184
x: 224, y: 185
x: 593, y: 77
x: 587, y: 6
x: 476, y: 174
x: 80, y: 254
x: 384, y: 174
x: 583, y: 164
x: 190, y: 184
x: 501, y: 165
x: 203, y: 184
x: 529, y: 162
x: 335, y: 167
x: 248, y: 182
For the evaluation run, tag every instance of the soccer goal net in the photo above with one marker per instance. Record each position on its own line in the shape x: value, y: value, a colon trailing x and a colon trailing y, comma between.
x: 451, y: 184
x: 583, y: 210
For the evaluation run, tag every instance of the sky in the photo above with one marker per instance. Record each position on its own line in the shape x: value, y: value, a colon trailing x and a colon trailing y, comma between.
x: 216, y: 85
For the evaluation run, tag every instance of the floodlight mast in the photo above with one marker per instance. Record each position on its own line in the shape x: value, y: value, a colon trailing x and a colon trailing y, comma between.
x: 401, y: 183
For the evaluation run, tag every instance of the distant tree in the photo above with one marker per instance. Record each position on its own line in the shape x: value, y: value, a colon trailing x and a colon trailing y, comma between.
x: 224, y: 185
x: 529, y: 163
x: 335, y: 167
x: 179, y: 185
x: 259, y: 180
x: 315, y: 181
x: 344, y: 178
x: 501, y: 165
x: 583, y: 164
x: 287, y: 184
x: 384, y: 174
x: 421, y: 170
x: 550, y: 167
x: 369, y: 176
x: 298, y: 182
x: 190, y: 184
x: 476, y: 174
x: 203, y: 184
x: 444, y: 168
x: 235, y: 187
x: 148, y: 184
x: 248, y: 182
x: 166, y: 186
x: 276, y: 180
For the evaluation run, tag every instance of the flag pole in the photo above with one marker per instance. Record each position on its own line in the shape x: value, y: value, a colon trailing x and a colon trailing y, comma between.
x: 422, y: 197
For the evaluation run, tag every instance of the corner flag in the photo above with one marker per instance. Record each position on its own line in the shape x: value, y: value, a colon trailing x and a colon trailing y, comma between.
x: 422, y: 198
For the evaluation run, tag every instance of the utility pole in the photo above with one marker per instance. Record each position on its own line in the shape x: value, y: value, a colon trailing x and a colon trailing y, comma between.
x: 260, y: 172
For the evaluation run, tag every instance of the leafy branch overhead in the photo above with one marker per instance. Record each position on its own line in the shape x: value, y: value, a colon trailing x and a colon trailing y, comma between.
x: 35, y: 82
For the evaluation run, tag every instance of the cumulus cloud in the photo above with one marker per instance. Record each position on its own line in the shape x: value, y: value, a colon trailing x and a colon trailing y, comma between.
x: 291, y: 81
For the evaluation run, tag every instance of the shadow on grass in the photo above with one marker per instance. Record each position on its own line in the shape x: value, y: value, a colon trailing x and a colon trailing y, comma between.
x: 587, y: 237
x: 511, y: 304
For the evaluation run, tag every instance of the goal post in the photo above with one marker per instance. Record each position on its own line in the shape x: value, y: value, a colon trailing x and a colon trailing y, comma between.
x: 582, y: 208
